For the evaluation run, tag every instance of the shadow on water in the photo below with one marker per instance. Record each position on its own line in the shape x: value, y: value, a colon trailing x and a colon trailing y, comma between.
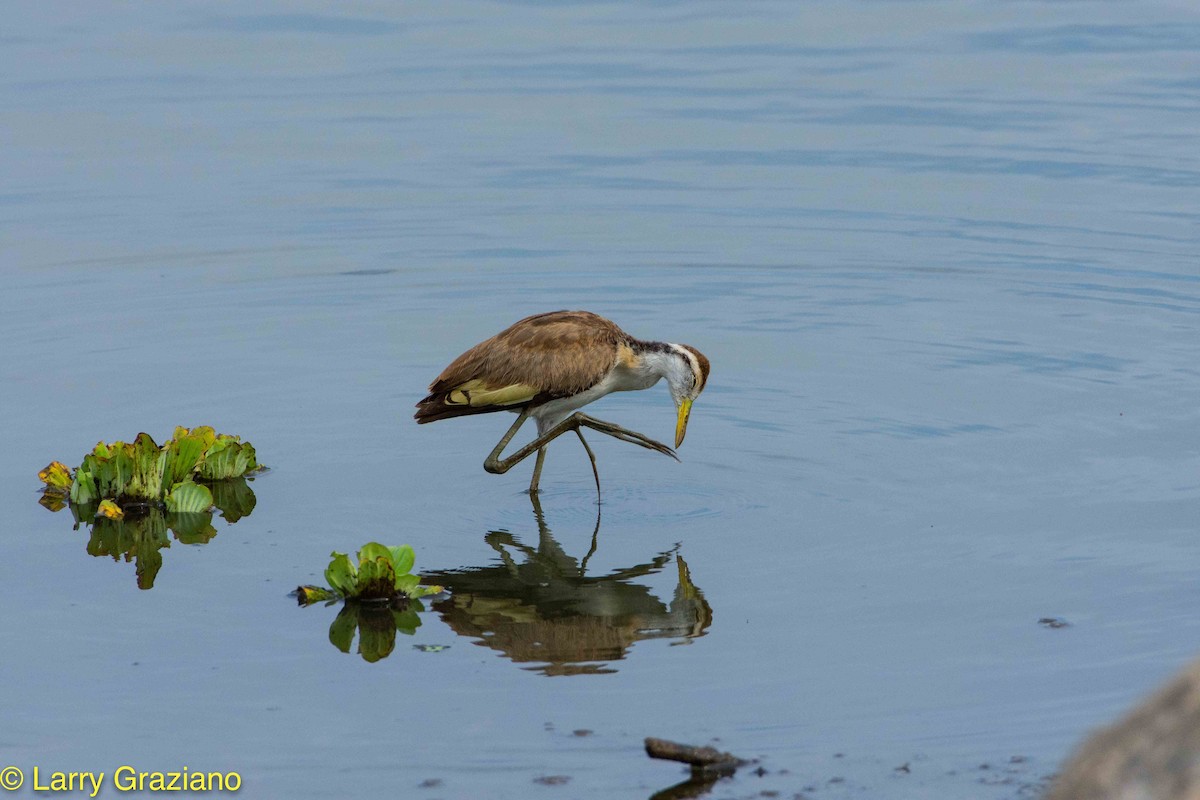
x: 539, y: 606
x: 143, y: 533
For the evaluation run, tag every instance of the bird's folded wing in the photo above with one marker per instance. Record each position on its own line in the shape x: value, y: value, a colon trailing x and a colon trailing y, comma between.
x: 478, y: 394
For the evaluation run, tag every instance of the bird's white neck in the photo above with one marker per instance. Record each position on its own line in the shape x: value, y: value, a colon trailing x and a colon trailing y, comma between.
x: 659, y: 360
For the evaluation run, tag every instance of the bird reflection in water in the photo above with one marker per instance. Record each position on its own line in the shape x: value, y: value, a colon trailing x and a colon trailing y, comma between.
x: 538, y: 606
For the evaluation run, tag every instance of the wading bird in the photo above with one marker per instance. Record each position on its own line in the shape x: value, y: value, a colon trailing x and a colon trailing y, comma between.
x: 547, y: 366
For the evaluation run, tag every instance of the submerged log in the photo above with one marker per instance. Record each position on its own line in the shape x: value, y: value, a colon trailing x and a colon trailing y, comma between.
x: 701, y: 759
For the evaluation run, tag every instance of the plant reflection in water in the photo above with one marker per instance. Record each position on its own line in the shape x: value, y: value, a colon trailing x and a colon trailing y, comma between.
x: 143, y: 532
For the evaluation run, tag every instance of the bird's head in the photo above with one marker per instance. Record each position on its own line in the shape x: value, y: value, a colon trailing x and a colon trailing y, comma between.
x: 686, y: 376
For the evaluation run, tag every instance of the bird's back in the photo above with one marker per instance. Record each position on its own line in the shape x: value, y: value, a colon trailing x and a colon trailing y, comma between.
x: 541, y: 358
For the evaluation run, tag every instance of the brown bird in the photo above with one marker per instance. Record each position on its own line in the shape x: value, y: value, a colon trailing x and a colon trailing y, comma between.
x: 547, y: 366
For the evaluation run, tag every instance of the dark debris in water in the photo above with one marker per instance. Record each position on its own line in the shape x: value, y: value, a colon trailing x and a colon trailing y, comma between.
x: 1053, y: 622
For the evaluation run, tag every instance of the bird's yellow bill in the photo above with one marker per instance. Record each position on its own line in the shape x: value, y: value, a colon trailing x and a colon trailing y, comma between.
x: 685, y: 408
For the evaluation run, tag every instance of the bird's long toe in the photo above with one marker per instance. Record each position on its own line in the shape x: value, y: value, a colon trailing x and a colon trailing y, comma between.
x: 633, y: 437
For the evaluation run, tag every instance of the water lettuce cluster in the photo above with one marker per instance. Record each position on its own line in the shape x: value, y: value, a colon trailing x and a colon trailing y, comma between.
x: 382, y: 598
x: 383, y: 574
x: 140, y: 472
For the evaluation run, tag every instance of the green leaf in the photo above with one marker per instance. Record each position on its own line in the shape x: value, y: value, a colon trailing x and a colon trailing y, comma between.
x: 83, y: 488
x: 227, y: 457
x: 403, y: 559
x: 407, y: 584
x: 145, y: 480
x: 247, y: 459
x: 188, y: 497
x: 181, y: 455
x: 341, y: 574
x: 205, y: 433
x: 373, y: 550
x: 114, y: 472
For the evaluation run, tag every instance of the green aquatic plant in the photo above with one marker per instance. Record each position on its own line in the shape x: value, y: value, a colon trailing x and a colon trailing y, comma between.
x: 141, y: 472
x: 383, y: 574
x: 381, y: 597
x: 133, y: 494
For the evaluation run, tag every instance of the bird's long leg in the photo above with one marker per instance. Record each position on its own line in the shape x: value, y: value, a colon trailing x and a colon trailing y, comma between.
x: 592, y: 457
x: 493, y: 463
x: 496, y: 465
x: 537, y: 471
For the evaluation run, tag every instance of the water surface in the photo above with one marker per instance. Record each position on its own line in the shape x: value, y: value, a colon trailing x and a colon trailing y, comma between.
x: 941, y: 255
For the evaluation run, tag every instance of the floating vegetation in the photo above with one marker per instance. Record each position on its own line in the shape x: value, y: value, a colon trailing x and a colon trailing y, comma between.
x: 381, y: 598
x: 134, y: 494
x: 141, y: 472
x: 384, y: 574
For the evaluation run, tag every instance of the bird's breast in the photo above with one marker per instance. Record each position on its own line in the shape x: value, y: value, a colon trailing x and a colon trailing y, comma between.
x: 618, y: 380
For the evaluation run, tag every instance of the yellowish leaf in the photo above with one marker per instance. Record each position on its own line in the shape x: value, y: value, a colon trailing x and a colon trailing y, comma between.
x: 110, y: 509
x: 56, y: 475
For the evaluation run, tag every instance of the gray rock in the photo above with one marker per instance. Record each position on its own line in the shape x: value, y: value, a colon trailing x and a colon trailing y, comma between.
x: 1153, y: 753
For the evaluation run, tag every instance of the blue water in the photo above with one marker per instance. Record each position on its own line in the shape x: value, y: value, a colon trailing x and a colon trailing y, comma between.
x: 943, y: 257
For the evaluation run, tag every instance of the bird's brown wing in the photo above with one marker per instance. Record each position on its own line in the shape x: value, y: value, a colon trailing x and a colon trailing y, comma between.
x: 542, y: 357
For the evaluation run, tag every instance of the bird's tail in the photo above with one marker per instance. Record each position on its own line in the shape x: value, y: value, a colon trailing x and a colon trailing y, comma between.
x: 436, y: 406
